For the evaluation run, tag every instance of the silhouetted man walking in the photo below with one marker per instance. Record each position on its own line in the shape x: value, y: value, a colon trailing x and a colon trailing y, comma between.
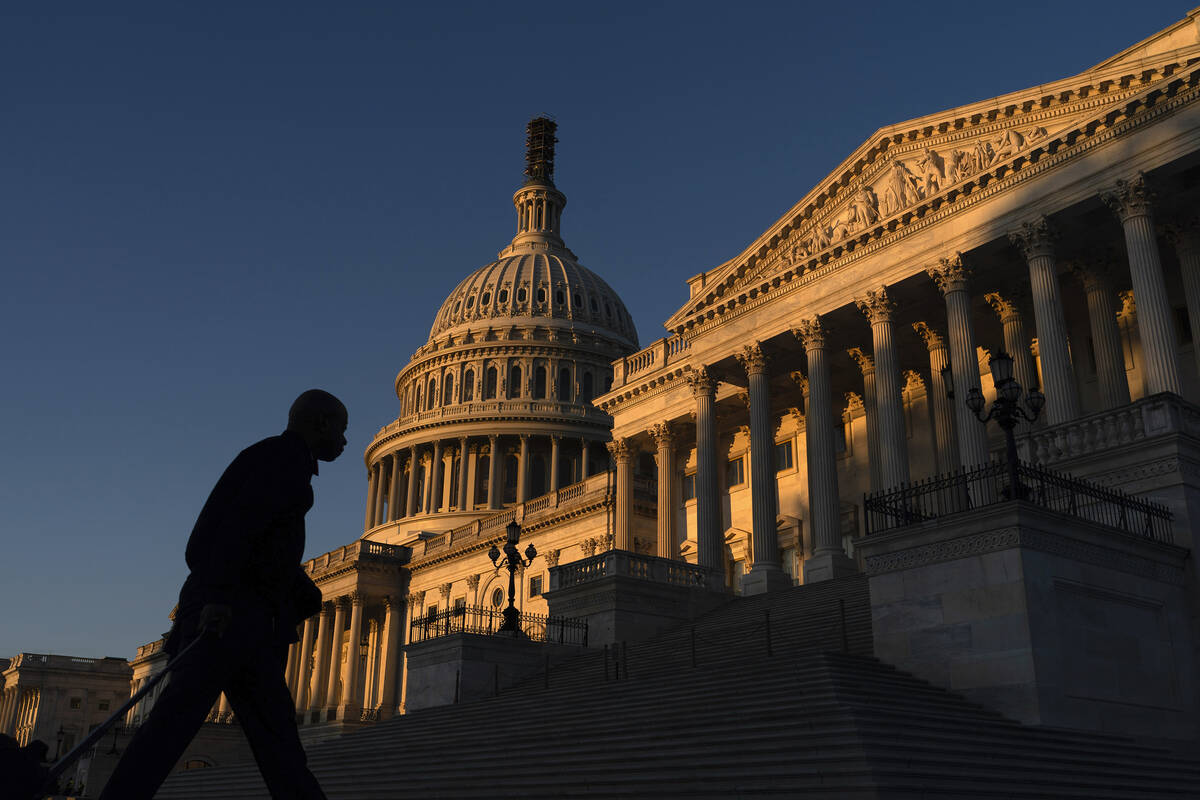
x: 247, y: 592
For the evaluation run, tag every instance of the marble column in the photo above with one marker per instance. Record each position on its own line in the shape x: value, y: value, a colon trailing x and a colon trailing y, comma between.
x: 394, y: 510
x: 523, y: 470
x: 1186, y: 238
x: 321, y: 675
x: 413, y: 466
x: 304, y: 674
x: 828, y: 559
x: 1016, y: 342
x: 381, y: 492
x: 664, y: 441
x: 1036, y: 242
x: 438, y: 465
x: 1132, y: 202
x: 708, y: 509
x: 335, y: 652
x: 867, y: 365
x: 878, y: 308
x: 622, y: 454
x: 766, y: 574
x: 943, y: 411
x: 495, y: 491
x: 1106, y: 336
x: 554, y: 450
x: 351, y: 703
x: 951, y: 277
x: 583, y: 459
x: 392, y: 621
x: 372, y: 489
x: 293, y: 665
x: 462, y: 474
x: 223, y: 712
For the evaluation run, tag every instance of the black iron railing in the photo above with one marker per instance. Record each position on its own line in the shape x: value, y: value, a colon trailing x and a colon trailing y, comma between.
x: 487, y: 622
x: 990, y: 484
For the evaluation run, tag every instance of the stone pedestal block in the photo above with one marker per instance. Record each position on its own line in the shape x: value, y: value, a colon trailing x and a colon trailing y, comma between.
x: 828, y: 565
x: 762, y: 580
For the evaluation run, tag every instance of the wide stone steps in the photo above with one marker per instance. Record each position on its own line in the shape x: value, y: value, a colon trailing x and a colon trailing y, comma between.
x: 800, y: 722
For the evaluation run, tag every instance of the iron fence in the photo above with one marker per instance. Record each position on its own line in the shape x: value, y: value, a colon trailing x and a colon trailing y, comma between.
x: 487, y: 622
x: 990, y: 484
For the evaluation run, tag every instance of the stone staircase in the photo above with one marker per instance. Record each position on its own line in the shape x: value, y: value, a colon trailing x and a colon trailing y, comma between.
x: 784, y: 700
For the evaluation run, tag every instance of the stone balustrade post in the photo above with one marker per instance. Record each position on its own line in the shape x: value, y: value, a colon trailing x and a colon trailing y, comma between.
x: 1132, y: 202
x: 878, y: 308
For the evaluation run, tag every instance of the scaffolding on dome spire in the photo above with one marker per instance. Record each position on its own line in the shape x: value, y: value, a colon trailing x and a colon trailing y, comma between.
x: 539, y: 149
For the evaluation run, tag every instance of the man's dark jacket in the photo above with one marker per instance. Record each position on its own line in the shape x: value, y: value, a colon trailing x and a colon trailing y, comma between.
x: 246, y: 548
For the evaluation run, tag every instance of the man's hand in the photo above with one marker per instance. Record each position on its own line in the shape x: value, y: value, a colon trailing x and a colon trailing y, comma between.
x: 215, y: 618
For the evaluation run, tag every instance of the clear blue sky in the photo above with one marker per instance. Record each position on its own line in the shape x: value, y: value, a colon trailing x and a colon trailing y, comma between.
x: 206, y: 208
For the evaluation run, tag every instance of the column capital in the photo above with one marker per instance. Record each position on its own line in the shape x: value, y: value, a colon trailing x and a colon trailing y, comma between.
x: 1183, y: 233
x: 326, y: 608
x: 1005, y: 307
x: 875, y: 305
x: 414, y: 599
x: 811, y: 333
x: 473, y: 582
x: 357, y: 598
x: 1128, y: 305
x: 854, y: 404
x: 800, y: 379
x: 445, y: 588
x: 1035, y: 238
x: 933, y: 340
x: 342, y: 601
x: 1095, y: 275
x: 663, y: 434
x: 1130, y: 198
x: 620, y: 450
x: 752, y: 359
x: 701, y: 382
x: 863, y: 360
x: 950, y: 274
x: 552, y: 556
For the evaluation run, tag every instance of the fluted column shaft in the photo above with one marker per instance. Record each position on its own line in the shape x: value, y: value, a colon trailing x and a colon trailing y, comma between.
x: 823, y: 498
x: 583, y: 459
x: 523, y: 470
x: 462, y: 474
x: 889, y: 388
x: 867, y: 364
x: 664, y: 457
x: 320, y: 678
x: 1106, y: 341
x: 392, y: 621
x: 413, y: 464
x: 764, y: 505
x: 951, y: 277
x: 622, y: 454
x: 554, y: 463
x: 708, y: 509
x: 439, y: 470
x: 335, y: 653
x: 372, y: 491
x: 943, y: 411
x: 351, y: 702
x: 380, y: 492
x: 1132, y: 201
x: 293, y: 666
x: 304, y: 674
x: 394, y: 510
x: 493, y: 493
x: 1187, y: 247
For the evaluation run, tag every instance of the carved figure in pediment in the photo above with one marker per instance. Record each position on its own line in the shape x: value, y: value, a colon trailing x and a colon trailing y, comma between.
x: 864, y: 208
x: 1036, y: 135
x: 1007, y: 145
x: 933, y: 171
x: 900, y: 189
x: 840, y: 228
x: 821, y: 237
x: 982, y: 155
x: 959, y: 167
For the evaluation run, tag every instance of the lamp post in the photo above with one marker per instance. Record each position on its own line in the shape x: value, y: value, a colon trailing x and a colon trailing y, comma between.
x: 1006, y: 409
x: 62, y: 734
x: 513, y: 561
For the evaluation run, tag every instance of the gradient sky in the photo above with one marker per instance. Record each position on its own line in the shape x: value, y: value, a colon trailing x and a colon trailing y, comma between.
x: 206, y: 208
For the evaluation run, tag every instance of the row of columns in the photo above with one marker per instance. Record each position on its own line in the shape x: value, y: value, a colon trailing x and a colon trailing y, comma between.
x: 386, y: 477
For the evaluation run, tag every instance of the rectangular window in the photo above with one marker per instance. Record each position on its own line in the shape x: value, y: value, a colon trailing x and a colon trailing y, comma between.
x: 76, y: 702
x: 783, y: 456
x: 431, y: 612
x: 104, y: 705
x: 535, y: 586
x: 735, y: 472
x: 689, y: 486
x: 460, y: 605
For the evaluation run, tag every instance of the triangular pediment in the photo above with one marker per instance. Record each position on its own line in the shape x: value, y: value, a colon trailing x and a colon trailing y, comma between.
x: 905, y: 170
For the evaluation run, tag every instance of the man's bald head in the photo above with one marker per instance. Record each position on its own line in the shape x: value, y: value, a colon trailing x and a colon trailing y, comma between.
x: 321, y: 419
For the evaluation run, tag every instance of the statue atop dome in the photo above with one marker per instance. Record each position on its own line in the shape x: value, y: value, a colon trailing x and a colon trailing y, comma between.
x: 539, y: 150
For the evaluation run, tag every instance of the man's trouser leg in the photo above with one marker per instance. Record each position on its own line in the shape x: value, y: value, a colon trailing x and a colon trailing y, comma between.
x: 263, y: 705
x: 191, y: 690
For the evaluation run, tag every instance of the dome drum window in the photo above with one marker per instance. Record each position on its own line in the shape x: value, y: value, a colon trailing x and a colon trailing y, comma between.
x: 521, y: 295
x: 487, y: 298
x: 471, y: 301
x: 502, y: 297
x: 559, y: 297
x: 541, y: 295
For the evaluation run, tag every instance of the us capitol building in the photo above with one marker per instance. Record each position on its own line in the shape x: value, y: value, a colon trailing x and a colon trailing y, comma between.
x: 810, y: 416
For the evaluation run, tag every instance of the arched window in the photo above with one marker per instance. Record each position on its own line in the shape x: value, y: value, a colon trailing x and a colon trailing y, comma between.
x: 417, y: 399
x: 489, y: 384
x: 502, y: 297
x: 565, y: 385
x: 539, y: 383
x: 559, y: 297
x: 514, y: 381
x: 483, y: 469
x: 511, y: 468
x: 468, y: 388
x: 448, y: 390
x: 588, y: 388
x: 541, y: 294
x: 521, y: 295
x: 431, y: 395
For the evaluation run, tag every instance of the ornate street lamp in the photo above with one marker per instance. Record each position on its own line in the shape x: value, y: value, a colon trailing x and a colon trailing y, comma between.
x: 513, y: 561
x: 62, y: 734
x: 1006, y: 410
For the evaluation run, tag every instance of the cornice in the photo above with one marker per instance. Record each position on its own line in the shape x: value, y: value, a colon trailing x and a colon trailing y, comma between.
x: 1098, y: 91
x: 1051, y: 152
x: 652, y: 386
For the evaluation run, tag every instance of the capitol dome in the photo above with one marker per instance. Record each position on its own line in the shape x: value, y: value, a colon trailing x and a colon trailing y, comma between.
x: 495, y: 408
